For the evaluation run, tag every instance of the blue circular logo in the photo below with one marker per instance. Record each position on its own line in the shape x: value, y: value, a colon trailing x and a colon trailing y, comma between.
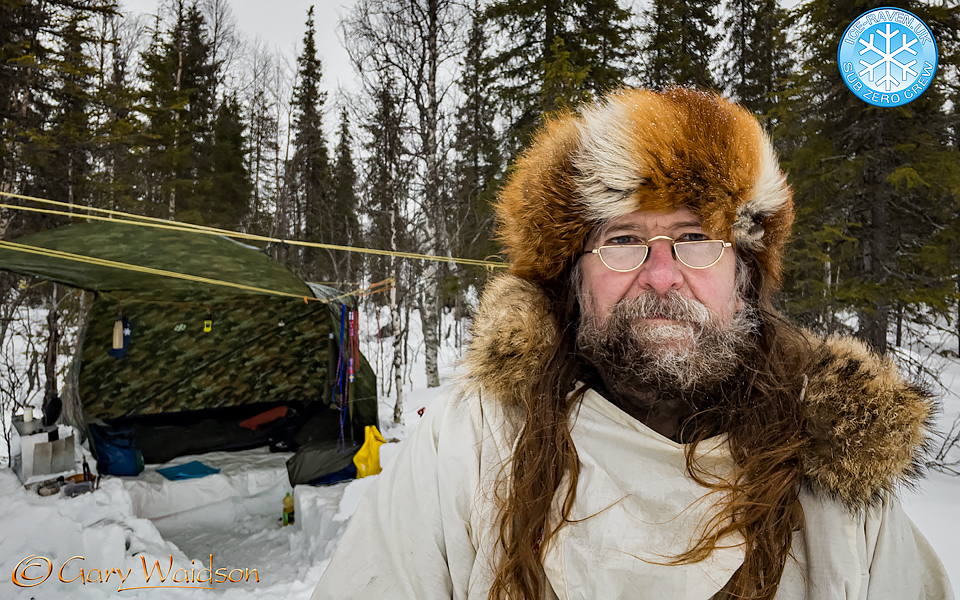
x: 887, y: 57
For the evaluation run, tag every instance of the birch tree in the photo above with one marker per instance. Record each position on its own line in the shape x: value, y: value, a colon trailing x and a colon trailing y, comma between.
x: 414, y: 42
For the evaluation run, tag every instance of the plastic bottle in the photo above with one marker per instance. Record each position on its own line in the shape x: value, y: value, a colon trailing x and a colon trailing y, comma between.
x: 288, y: 510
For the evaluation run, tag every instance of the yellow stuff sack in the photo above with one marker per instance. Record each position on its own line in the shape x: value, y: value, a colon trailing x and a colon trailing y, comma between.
x: 367, y: 458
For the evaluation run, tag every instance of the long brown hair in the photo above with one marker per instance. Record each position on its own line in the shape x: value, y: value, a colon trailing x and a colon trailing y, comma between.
x: 760, y: 415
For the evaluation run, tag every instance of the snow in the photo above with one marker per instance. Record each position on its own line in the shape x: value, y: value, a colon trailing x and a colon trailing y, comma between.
x: 257, y: 476
x: 229, y: 523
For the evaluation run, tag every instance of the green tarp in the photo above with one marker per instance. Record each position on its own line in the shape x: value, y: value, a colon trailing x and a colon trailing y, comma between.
x: 257, y: 350
x: 195, y: 254
x: 194, y: 348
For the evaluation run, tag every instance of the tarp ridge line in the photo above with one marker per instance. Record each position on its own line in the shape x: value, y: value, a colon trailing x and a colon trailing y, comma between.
x: 150, y: 270
x: 144, y: 221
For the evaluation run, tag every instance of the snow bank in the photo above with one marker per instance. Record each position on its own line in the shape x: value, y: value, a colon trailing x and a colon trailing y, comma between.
x: 258, y: 477
x: 100, y: 528
x: 226, y: 524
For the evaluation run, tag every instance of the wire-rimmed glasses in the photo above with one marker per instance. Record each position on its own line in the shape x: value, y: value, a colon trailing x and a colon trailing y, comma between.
x: 624, y: 258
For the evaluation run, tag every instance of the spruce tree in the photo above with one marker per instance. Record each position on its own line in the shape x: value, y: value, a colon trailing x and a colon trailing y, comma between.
x: 385, y: 181
x: 478, y: 166
x: 25, y: 82
x: 227, y: 202
x: 680, y: 44
x: 67, y: 163
x: 309, y: 172
x: 177, y: 106
x: 198, y: 77
x: 386, y: 194
x: 946, y: 26
x: 556, y: 53
x: 874, y: 189
x: 348, y: 265
x: 161, y: 148
x: 759, y: 56
x: 562, y: 86
x: 115, y: 120
x: 44, y: 90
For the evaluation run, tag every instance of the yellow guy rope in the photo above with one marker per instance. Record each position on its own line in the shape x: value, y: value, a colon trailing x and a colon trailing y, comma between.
x: 154, y: 222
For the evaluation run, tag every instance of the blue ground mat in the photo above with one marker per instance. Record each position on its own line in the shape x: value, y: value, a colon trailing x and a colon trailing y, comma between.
x: 190, y: 470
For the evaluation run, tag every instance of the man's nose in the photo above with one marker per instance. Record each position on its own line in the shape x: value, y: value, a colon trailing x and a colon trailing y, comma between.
x: 660, y: 272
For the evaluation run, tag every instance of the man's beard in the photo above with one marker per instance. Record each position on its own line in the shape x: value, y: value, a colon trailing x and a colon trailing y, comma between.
x: 665, y: 371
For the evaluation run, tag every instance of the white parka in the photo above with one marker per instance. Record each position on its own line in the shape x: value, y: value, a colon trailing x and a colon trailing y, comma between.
x: 423, y: 531
x: 427, y: 530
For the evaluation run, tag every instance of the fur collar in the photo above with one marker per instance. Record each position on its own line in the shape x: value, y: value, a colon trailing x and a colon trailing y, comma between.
x: 866, y: 428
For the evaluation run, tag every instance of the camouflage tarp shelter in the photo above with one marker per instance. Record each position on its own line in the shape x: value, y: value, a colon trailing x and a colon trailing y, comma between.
x: 199, y: 358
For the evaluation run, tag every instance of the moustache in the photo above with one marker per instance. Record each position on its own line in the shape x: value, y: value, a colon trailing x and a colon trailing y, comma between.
x: 672, y: 306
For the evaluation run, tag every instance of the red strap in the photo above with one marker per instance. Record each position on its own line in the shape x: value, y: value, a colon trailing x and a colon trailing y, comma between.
x: 265, y: 417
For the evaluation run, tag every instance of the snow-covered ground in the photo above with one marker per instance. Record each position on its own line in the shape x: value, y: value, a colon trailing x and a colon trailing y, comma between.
x: 100, y: 544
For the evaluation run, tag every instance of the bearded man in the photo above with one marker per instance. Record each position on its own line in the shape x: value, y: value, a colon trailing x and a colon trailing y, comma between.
x: 635, y: 419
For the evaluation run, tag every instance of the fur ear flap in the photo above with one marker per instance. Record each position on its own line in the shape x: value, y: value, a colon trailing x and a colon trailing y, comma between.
x: 771, y: 195
x: 512, y: 332
x: 868, y: 428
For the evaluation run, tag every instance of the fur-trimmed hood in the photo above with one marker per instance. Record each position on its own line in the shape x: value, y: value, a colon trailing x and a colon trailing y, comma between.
x: 866, y: 428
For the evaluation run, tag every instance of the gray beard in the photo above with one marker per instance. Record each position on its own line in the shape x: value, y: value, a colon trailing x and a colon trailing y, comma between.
x: 662, y: 372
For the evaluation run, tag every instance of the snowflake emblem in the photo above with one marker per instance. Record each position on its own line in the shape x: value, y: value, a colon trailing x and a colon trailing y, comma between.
x: 887, y: 57
x: 888, y: 60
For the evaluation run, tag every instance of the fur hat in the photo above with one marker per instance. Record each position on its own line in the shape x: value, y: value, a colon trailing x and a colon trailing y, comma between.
x: 645, y: 150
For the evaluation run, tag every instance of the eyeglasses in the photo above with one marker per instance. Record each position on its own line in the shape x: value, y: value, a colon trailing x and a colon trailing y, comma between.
x: 628, y: 257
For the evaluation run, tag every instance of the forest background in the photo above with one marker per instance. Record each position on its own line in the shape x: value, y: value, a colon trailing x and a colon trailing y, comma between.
x: 178, y: 115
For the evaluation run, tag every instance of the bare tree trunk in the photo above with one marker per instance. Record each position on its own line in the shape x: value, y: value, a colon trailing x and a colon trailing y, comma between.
x: 431, y: 273
x: 899, y: 325
x: 349, y: 257
x: 430, y: 317
x: 6, y: 216
x: 395, y: 322
x: 407, y: 363
x: 873, y: 328
x: 53, y: 345
x: 70, y: 184
x: 9, y: 304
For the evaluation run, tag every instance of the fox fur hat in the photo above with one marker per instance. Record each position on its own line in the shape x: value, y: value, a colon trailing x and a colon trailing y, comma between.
x: 644, y: 150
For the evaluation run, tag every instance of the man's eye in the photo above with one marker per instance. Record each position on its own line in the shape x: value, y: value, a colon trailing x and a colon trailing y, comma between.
x: 693, y: 237
x: 622, y: 239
